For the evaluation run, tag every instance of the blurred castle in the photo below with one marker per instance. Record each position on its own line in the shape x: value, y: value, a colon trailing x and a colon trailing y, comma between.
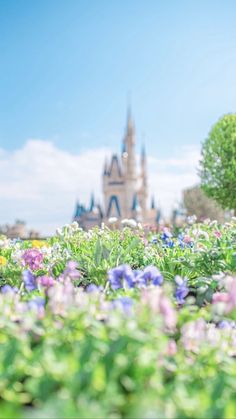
x: 125, y: 191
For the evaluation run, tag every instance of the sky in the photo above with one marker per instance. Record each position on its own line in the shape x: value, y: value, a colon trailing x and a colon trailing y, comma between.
x: 69, y: 69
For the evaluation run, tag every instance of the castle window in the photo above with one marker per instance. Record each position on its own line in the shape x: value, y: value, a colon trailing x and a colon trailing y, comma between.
x: 113, y: 205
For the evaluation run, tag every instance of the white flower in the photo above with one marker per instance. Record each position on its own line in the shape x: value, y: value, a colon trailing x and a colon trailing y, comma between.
x: 74, y: 226
x: 4, y: 242
x: 129, y: 223
x: 112, y: 220
x: 192, y: 219
x: 17, y: 255
x: 203, y: 234
x: 200, y: 234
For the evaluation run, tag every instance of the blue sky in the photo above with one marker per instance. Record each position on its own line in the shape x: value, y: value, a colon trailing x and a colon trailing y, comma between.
x: 67, y: 67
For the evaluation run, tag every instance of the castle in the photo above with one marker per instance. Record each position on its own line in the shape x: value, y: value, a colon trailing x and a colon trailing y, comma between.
x: 125, y: 190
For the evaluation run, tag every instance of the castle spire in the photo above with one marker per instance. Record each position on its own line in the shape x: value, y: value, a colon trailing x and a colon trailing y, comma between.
x: 130, y: 124
x: 143, y: 153
x: 92, y: 202
x: 153, y: 204
x: 105, y: 169
x: 143, y: 166
x: 129, y: 147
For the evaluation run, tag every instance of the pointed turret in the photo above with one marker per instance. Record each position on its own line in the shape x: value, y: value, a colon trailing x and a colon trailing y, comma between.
x: 144, y: 167
x: 143, y: 153
x: 105, y: 169
x: 130, y: 124
x: 135, y: 203
x: 153, y: 204
x: 143, y: 192
x: 92, y: 202
x: 158, y: 216
x: 115, y: 170
x: 136, y: 208
x: 129, y: 148
x: 123, y: 148
x: 76, y: 210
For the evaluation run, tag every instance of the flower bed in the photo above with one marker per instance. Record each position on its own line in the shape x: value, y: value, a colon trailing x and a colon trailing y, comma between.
x: 119, y: 324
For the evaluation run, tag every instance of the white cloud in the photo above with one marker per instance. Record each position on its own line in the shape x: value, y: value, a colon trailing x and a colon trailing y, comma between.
x: 168, y: 177
x: 40, y: 183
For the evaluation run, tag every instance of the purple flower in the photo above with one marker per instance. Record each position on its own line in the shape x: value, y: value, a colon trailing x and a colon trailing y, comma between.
x: 125, y: 303
x: 7, y: 288
x: 170, y: 243
x: 150, y: 275
x: 121, y: 276
x: 93, y: 288
x: 182, y: 290
x: 224, y: 324
x: 37, y: 302
x: 32, y: 258
x: 181, y: 244
x: 71, y: 270
x: 46, y: 281
x: 166, y: 238
x: 29, y: 280
x: 166, y: 234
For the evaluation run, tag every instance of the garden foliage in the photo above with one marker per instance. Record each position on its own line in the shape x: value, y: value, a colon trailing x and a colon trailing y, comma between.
x: 119, y: 324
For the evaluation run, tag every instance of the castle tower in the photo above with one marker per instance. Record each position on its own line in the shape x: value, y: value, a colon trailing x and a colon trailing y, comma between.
x: 129, y: 166
x: 129, y: 149
x: 125, y: 191
x: 143, y: 191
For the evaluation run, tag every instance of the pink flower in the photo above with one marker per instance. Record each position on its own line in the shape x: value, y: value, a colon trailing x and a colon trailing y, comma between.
x: 168, y: 312
x: 220, y: 297
x: 171, y: 347
x: 228, y: 298
x: 160, y: 304
x: 193, y: 334
x: 187, y: 239
x: 217, y: 234
x: 32, y: 258
x: 232, y: 293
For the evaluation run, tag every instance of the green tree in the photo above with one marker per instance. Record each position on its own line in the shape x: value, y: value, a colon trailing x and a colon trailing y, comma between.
x: 218, y: 164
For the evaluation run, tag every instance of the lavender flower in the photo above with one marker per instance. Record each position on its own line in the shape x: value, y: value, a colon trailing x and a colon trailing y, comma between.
x: 29, y: 280
x: 32, y: 258
x: 166, y: 238
x: 166, y: 234
x: 150, y: 275
x: 93, y: 288
x: 37, y: 302
x: 71, y: 271
x: 125, y: 303
x: 182, y: 290
x: 226, y: 324
x: 121, y: 276
x: 7, y: 288
x: 46, y: 281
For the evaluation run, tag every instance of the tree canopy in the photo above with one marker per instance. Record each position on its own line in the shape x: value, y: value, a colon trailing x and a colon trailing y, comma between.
x: 218, y: 163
